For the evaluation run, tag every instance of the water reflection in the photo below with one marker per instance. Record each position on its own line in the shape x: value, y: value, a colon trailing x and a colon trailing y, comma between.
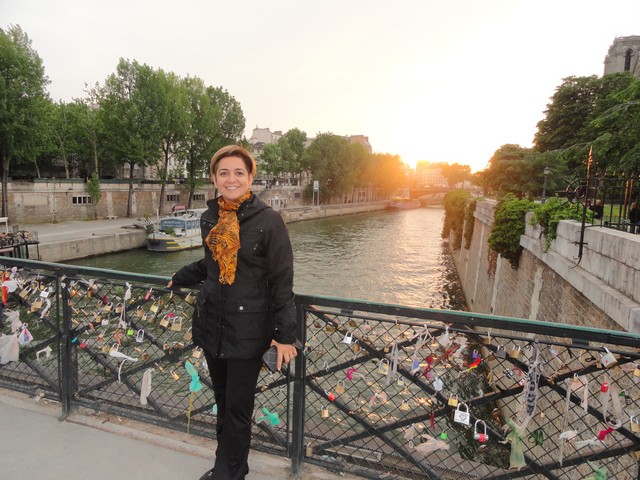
x: 392, y: 257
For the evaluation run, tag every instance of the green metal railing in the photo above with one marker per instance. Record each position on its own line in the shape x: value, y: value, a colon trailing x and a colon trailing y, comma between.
x: 382, y: 391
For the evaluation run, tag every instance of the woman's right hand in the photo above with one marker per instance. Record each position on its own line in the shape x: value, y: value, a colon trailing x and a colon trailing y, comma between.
x: 170, y: 284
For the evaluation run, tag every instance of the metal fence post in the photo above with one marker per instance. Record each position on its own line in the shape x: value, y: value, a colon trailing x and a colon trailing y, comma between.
x: 66, y: 370
x: 297, y: 429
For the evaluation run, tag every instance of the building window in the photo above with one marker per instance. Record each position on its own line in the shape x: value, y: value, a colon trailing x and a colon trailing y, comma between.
x: 173, y: 197
x: 81, y: 199
x: 198, y: 197
x: 627, y: 61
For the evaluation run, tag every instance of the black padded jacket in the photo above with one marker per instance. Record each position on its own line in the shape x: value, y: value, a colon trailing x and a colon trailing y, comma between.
x: 238, y: 321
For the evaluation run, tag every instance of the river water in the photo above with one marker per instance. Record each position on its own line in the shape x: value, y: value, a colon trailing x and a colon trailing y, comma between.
x: 394, y: 257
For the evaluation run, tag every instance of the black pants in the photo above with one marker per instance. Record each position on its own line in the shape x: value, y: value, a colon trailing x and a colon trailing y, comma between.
x: 234, y: 385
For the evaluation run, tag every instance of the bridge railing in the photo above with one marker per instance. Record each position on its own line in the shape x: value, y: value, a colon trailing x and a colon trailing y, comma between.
x: 382, y: 391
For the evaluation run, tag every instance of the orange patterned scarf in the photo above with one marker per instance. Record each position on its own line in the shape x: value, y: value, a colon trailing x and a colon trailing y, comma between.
x: 224, y: 239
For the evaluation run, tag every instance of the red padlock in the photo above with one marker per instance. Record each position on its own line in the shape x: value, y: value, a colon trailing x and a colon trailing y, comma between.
x: 331, y: 396
x: 604, y: 387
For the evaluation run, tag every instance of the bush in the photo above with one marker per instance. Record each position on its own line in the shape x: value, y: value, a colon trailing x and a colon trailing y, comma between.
x: 548, y: 215
x: 508, y: 226
x: 455, y: 202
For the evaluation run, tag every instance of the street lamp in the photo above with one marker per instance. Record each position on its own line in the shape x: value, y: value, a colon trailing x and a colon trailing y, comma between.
x: 546, y: 172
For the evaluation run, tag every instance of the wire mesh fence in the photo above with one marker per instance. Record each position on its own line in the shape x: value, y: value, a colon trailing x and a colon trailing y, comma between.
x: 381, y: 391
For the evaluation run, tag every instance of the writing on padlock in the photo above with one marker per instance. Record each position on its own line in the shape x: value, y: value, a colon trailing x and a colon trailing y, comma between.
x: 608, y: 360
x: 478, y: 435
x: 635, y: 424
x: 461, y: 414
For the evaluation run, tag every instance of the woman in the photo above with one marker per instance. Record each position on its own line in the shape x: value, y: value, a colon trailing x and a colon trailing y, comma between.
x: 246, y: 301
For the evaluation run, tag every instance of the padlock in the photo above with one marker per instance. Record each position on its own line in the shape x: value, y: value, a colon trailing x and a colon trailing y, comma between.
x: 197, y: 353
x: 140, y: 336
x: 190, y: 298
x: 355, y: 347
x: 475, y: 355
x: 108, y: 307
x: 636, y: 371
x: 443, y: 436
x: 188, y: 335
x: 604, y: 387
x: 635, y: 424
x: 309, y: 450
x: 324, y: 413
x: 608, y: 360
x: 482, y: 437
x: 352, y: 323
x: 348, y: 338
x: 36, y: 305
x: 404, y: 406
x: 140, y: 312
x: 164, y: 323
x: 500, y: 353
x: 462, y: 416
x: 118, y: 308
x: 176, y: 324
x: 154, y: 307
x: 487, y: 340
x: 340, y: 387
x: 24, y: 293
x: 438, y: 384
x: 383, y: 366
x: 150, y: 316
x: 515, y: 352
x: 175, y: 375
x: 453, y: 400
x: 330, y: 328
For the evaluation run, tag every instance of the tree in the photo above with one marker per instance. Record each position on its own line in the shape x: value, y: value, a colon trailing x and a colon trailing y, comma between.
x: 330, y: 164
x: 127, y: 119
x: 567, y: 114
x: 456, y: 173
x: 197, y: 146
x: 170, y: 102
x: 93, y: 189
x: 23, y: 102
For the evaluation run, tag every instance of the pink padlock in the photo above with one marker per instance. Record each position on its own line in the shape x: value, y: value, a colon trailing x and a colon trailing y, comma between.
x: 604, y: 387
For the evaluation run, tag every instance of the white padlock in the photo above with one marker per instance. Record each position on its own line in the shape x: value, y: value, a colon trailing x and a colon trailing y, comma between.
x: 462, y: 416
x: 608, y: 360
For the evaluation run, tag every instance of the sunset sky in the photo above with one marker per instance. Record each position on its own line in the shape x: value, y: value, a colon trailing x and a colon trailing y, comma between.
x: 444, y: 81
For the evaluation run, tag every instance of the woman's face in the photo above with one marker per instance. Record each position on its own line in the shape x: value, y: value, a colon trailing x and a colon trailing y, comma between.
x: 232, y: 178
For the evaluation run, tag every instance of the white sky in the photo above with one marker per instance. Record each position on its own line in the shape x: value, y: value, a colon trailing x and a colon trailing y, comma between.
x: 447, y: 80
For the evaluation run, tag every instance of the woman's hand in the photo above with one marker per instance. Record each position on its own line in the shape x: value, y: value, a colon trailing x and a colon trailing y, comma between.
x: 170, y: 284
x: 286, y: 353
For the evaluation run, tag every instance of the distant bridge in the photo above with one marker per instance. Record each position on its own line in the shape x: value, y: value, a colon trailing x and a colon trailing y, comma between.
x: 427, y: 190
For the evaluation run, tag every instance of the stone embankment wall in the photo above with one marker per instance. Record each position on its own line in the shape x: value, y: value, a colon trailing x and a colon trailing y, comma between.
x: 601, y: 290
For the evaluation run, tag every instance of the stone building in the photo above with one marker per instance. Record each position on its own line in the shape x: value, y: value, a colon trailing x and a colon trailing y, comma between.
x: 623, y: 56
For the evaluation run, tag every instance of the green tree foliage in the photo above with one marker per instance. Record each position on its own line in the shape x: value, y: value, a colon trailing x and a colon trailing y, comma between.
x: 93, y: 189
x: 455, y: 204
x: 547, y: 215
x: 508, y: 226
x: 170, y: 105
x: 331, y: 164
x: 567, y: 114
x: 387, y: 172
x: 23, y: 103
x: 456, y: 173
x: 132, y: 132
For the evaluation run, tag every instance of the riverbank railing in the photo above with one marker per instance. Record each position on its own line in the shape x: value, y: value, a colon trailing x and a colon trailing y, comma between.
x: 382, y: 391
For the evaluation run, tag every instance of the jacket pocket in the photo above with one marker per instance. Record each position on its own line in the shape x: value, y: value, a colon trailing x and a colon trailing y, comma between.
x: 248, y: 319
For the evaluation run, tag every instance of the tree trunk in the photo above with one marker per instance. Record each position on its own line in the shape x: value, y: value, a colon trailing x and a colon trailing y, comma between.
x: 130, y: 196
x: 5, y: 186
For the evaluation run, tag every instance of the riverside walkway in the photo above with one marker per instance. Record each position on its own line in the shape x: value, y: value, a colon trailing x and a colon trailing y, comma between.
x: 101, y: 446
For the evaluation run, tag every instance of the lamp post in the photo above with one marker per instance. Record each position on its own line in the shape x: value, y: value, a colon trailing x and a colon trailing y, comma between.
x: 546, y: 172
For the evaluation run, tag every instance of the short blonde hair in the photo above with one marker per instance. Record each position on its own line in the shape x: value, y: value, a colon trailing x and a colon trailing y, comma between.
x: 233, y: 151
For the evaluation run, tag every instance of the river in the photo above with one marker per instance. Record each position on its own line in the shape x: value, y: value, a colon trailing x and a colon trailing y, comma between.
x: 394, y: 257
